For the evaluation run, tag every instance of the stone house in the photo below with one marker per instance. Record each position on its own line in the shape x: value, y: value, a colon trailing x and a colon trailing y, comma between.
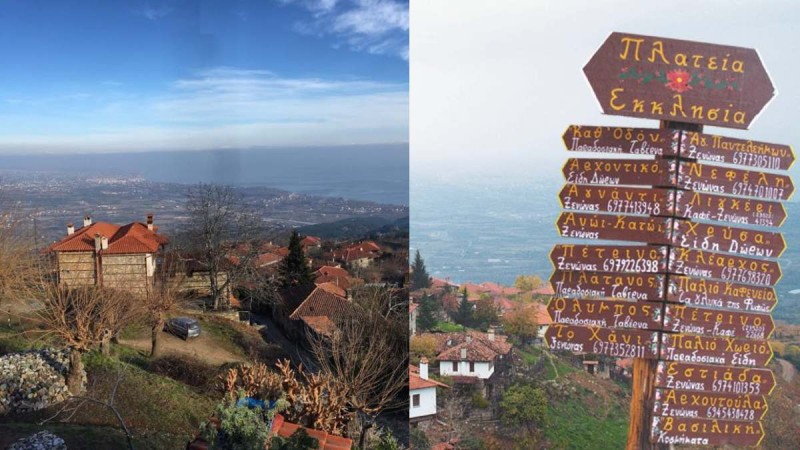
x: 108, y: 255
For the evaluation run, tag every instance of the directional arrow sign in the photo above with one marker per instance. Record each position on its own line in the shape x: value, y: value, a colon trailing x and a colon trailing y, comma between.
x: 699, y: 377
x: 644, y: 287
x: 602, y: 341
x: 676, y: 80
x: 609, y: 258
x: 703, y: 264
x: 721, y: 294
x: 740, y: 241
x: 633, y: 141
x: 745, y: 211
x: 617, y: 199
x: 715, y: 322
x: 683, y: 430
x: 715, y: 350
x: 647, y: 230
x: 708, y: 405
x: 605, y: 313
x: 613, y: 172
x: 721, y: 149
x: 741, y: 183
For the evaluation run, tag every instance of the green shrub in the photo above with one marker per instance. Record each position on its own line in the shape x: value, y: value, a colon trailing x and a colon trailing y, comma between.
x: 478, y: 401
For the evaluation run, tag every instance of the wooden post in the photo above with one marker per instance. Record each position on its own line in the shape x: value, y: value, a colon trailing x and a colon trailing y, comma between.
x: 644, y: 370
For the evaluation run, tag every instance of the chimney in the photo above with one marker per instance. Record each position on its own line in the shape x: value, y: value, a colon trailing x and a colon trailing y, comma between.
x: 469, y: 338
x: 463, y: 353
x: 150, y: 221
x: 423, y: 368
x: 87, y: 221
x: 98, y: 242
x: 70, y: 229
x: 491, y: 334
x: 104, y: 243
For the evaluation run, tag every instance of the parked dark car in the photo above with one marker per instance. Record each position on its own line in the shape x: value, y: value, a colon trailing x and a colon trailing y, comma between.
x: 183, y: 327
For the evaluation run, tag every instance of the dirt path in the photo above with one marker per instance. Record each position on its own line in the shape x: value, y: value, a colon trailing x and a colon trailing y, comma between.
x: 788, y: 371
x: 202, y: 347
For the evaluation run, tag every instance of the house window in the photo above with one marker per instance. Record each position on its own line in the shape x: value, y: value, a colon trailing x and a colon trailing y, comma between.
x: 415, y: 400
x: 455, y: 366
x: 472, y: 366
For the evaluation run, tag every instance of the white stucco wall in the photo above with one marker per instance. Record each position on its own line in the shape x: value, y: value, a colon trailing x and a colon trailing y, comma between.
x: 483, y: 370
x: 427, y: 402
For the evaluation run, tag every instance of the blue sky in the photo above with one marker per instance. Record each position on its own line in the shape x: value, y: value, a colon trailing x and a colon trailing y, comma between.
x: 88, y: 76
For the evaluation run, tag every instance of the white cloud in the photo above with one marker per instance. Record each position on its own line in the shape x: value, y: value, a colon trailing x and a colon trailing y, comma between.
x: 155, y: 13
x: 374, y: 26
x: 222, y: 107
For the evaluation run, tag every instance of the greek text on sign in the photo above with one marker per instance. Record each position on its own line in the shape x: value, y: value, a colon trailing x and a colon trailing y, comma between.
x: 631, y: 286
x: 715, y: 350
x: 728, y: 380
x: 617, y: 199
x: 708, y: 405
x: 609, y: 258
x: 721, y: 294
x: 715, y: 322
x: 602, y: 341
x: 722, y: 238
x: 683, y: 430
x: 745, y: 211
x: 647, y: 230
x: 721, y: 149
x: 612, y: 172
x: 703, y: 264
x: 677, y: 80
x: 632, y: 141
x: 605, y: 313
x: 739, y: 182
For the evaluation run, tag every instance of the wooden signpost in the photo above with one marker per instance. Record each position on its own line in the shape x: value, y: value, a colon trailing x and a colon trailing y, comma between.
x: 691, y: 302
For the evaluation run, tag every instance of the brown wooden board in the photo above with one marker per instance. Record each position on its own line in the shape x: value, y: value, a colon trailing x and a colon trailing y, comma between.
x: 609, y: 258
x: 631, y: 286
x: 715, y: 322
x: 704, y: 264
x: 719, y: 379
x: 677, y: 80
x: 617, y: 199
x: 647, y: 230
x: 612, y: 172
x: 721, y: 208
x: 724, y: 238
x: 721, y: 294
x: 689, y: 431
x: 602, y: 341
x: 738, y: 182
x: 631, y: 141
x: 715, y: 350
x: 615, y: 314
x: 708, y: 405
x: 741, y: 152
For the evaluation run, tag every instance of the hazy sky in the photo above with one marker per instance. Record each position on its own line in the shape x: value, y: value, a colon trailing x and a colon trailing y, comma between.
x: 494, y: 84
x: 195, y: 74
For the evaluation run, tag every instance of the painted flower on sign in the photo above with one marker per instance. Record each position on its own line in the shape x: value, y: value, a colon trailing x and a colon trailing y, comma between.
x: 678, y: 80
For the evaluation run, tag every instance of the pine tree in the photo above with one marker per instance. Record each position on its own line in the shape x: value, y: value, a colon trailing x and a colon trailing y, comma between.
x: 294, y: 270
x: 426, y: 319
x: 419, y: 277
x: 464, y: 314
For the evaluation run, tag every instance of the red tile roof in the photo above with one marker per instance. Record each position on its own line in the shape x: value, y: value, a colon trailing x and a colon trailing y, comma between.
x: 131, y: 238
x: 268, y: 259
x: 542, y: 316
x: 310, y: 241
x: 332, y: 288
x: 320, y: 324
x: 331, y: 271
x: 547, y: 289
x: 417, y: 382
x: 326, y: 441
x: 476, y: 351
x: 322, y: 303
x: 500, y: 344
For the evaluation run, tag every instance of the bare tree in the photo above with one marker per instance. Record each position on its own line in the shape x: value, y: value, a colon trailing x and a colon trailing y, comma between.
x: 18, y: 261
x: 369, y: 356
x: 219, y: 221
x: 162, y: 298
x: 81, y: 319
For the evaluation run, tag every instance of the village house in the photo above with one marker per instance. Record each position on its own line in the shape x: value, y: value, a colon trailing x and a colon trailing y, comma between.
x: 422, y: 392
x: 359, y: 255
x: 108, y: 255
x: 310, y: 307
x: 472, y: 355
x: 333, y: 274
